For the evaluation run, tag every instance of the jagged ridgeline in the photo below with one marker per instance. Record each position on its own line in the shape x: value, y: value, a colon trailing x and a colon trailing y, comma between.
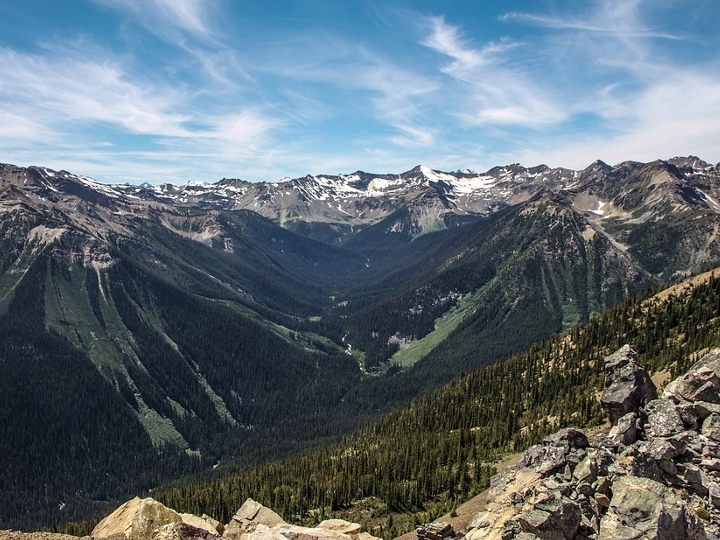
x: 423, y: 460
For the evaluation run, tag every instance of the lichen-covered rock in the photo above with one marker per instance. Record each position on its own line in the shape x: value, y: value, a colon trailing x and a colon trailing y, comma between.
x: 627, y: 385
x: 567, y: 438
x: 663, y: 419
x: 644, y: 508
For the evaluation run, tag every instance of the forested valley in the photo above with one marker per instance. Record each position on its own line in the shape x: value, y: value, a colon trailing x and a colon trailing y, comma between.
x: 423, y: 460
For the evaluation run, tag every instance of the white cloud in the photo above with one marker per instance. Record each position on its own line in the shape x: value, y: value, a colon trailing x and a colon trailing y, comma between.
x: 368, y: 85
x: 165, y: 17
x: 646, y: 105
x: 494, y: 92
x: 66, y: 103
x: 64, y: 89
x: 674, y: 117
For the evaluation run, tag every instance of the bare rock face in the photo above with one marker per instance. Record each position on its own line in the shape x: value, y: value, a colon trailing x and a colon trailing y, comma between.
x: 627, y: 385
x: 137, y: 519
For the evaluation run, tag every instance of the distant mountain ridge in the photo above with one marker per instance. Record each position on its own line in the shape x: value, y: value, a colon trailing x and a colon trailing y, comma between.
x: 351, y: 201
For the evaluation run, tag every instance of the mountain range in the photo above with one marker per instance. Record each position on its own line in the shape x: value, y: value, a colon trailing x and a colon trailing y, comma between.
x: 149, y: 332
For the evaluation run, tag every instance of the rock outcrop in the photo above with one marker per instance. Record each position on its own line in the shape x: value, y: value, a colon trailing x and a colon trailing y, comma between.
x: 656, y: 475
x: 147, y: 519
x: 627, y: 385
x: 247, y: 519
x: 137, y: 519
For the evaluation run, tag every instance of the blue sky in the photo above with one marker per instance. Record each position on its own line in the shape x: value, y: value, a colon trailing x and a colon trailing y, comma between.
x: 179, y: 90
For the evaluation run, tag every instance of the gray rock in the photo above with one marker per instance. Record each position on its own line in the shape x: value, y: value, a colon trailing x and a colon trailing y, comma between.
x: 567, y: 438
x: 602, y: 500
x: 295, y: 532
x: 711, y: 450
x: 183, y: 531
x: 544, y: 459
x: 713, y: 492
x: 540, y: 523
x: 643, y: 508
x: 663, y: 452
x: 586, y: 470
x: 663, y: 420
x: 682, y: 441
x: 341, y: 526
x: 703, y: 409
x: 557, y: 518
x: 627, y: 385
x: 700, y: 383
x: 696, y: 479
x: 688, y: 414
x: 525, y: 536
x: 711, y: 427
x: 625, y: 432
x: 636, y: 461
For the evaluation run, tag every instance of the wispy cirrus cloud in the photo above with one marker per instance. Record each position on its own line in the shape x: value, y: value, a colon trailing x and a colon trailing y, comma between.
x: 70, y: 101
x: 166, y: 17
x: 646, y: 103
x: 617, y: 17
x: 368, y: 85
x: 495, y: 92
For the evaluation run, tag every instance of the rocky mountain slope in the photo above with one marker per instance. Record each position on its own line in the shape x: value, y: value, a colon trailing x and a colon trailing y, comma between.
x: 185, y: 315
x: 655, y: 475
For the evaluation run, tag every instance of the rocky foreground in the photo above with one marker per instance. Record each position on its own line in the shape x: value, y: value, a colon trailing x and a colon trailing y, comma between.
x: 656, y: 475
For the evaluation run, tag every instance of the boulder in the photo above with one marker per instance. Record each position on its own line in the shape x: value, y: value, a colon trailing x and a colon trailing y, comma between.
x: 586, y: 470
x: 205, y: 522
x: 625, y: 431
x: 567, y: 438
x: 295, y: 532
x: 136, y: 519
x: 183, y: 531
x: 663, y: 419
x: 539, y: 523
x: 248, y: 517
x: 627, y: 385
x: 700, y: 383
x: 643, y: 508
x: 341, y: 526
x: 711, y: 427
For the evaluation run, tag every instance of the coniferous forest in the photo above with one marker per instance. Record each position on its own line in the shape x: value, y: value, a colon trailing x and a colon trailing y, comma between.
x: 423, y: 460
